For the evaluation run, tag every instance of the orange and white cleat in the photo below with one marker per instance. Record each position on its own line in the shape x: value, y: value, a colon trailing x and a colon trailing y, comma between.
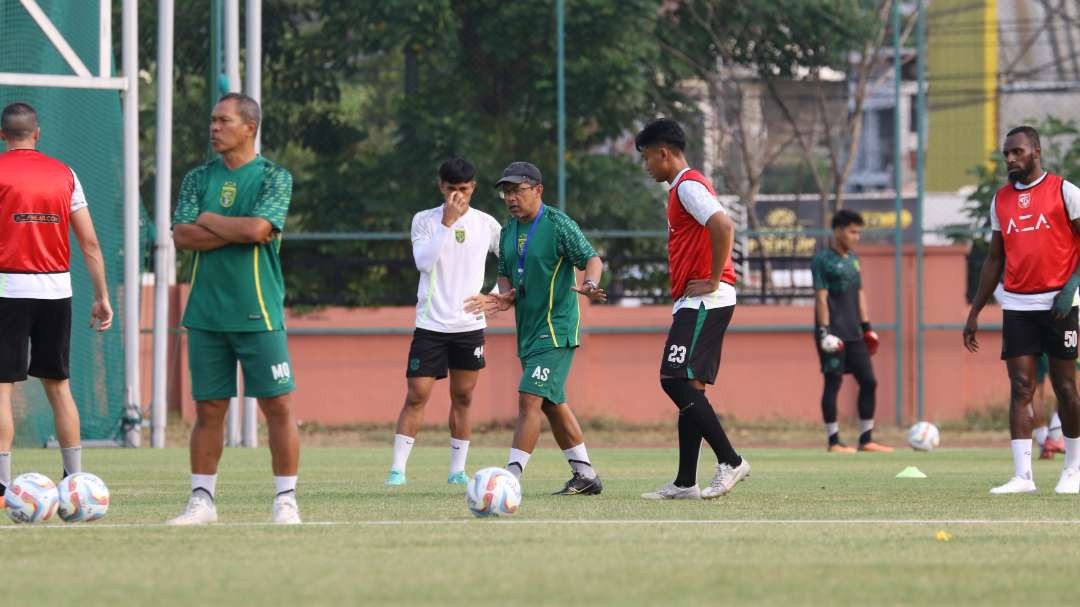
x: 1051, y: 447
x: 840, y: 448
x: 875, y: 447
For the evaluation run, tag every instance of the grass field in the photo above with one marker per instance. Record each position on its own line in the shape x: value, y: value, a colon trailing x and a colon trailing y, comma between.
x: 807, y: 528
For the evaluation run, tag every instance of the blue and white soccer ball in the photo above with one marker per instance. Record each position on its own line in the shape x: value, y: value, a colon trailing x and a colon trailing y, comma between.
x: 493, y: 492
x: 83, y: 498
x: 31, y: 498
x: 923, y: 436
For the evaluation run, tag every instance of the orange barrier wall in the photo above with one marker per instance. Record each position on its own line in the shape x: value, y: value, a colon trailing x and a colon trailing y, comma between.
x: 345, y: 379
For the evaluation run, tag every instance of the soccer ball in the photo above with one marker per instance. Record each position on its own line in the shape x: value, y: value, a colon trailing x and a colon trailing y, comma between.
x: 31, y: 498
x: 493, y: 492
x: 83, y: 498
x: 923, y: 436
x: 831, y: 344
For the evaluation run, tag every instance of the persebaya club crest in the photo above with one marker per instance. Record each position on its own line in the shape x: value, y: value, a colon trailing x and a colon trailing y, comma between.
x: 521, y: 242
x: 228, y: 194
x: 459, y: 235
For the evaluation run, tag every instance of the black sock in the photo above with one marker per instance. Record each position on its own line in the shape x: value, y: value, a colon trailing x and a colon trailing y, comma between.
x: 696, y: 406
x: 3, y: 489
x: 834, y: 439
x: 865, y: 437
x: 689, y: 449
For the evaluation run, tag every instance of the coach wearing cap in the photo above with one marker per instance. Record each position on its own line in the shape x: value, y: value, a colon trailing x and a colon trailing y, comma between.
x: 539, y: 248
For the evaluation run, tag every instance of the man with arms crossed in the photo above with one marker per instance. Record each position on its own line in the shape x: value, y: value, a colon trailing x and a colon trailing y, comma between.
x: 450, y: 243
x: 700, y: 237
x: 1034, y: 245
x: 540, y: 248
x: 40, y: 200
x: 231, y: 213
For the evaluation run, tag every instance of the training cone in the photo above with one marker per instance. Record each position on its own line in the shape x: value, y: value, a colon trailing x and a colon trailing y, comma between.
x: 910, y: 472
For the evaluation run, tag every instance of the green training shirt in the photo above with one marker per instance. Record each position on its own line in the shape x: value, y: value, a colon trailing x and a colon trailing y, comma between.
x: 547, y: 312
x: 238, y: 287
x: 839, y: 275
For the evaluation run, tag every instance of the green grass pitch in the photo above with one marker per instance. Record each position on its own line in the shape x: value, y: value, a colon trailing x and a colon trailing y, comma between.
x: 806, y: 528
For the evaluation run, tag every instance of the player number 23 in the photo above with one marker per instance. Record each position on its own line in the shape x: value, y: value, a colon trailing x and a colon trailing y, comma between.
x: 1070, y: 339
x: 677, y: 354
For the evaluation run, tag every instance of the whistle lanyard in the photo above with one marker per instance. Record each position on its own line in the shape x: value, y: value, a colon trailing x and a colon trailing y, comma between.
x: 525, y: 247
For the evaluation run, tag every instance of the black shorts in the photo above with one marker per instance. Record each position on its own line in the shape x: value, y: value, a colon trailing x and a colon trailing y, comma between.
x: 35, y: 338
x: 1035, y: 332
x: 432, y: 353
x: 853, y: 358
x: 694, y: 343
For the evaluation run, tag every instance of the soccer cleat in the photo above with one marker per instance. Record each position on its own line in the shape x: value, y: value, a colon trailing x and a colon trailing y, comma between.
x: 579, y: 485
x: 200, y: 510
x: 872, y: 447
x: 396, y: 478
x: 456, y: 478
x: 671, y: 491
x: 840, y: 448
x: 1015, y: 485
x: 1050, y: 447
x: 285, y: 511
x: 1069, y: 482
x: 725, y: 479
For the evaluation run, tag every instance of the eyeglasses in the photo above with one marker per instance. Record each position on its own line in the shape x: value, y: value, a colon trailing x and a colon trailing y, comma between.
x: 507, y: 193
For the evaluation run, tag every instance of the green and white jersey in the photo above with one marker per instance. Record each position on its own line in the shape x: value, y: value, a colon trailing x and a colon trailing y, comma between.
x: 238, y: 287
x: 546, y: 309
x: 839, y: 275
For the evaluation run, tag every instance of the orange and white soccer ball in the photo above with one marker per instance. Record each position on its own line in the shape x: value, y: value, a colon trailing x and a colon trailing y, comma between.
x: 493, y: 492
x: 31, y: 498
x: 83, y: 498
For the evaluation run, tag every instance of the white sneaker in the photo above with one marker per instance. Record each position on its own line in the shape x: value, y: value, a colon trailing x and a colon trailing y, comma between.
x: 671, y: 491
x: 1015, y: 485
x: 725, y: 479
x: 1070, y: 481
x: 200, y: 511
x: 285, y: 510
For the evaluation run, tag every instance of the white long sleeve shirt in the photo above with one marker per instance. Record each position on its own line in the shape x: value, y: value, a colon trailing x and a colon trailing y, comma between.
x: 451, y: 263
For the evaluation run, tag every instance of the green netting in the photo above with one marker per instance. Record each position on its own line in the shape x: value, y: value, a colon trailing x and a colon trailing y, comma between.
x: 83, y: 128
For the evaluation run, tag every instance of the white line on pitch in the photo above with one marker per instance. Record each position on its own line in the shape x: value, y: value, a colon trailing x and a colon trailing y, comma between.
x: 542, y: 522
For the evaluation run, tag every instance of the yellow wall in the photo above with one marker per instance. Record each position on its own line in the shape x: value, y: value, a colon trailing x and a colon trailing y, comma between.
x: 962, y: 45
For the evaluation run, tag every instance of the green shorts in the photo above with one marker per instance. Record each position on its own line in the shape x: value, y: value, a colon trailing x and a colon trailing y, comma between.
x: 263, y: 356
x: 544, y: 373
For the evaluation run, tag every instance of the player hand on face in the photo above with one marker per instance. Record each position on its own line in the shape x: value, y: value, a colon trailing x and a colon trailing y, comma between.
x: 455, y: 207
x: 701, y: 286
x: 490, y: 303
x: 101, y: 315
x: 590, y: 290
x: 970, y: 328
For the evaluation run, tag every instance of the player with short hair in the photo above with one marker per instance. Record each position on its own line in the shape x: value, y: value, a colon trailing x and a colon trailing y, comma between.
x: 1034, y: 248
x: 540, y: 247
x: 450, y: 244
x: 41, y: 200
x: 231, y: 212
x: 700, y: 239
x: 843, y: 337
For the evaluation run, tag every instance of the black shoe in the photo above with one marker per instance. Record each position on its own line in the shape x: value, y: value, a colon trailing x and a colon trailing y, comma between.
x: 579, y: 485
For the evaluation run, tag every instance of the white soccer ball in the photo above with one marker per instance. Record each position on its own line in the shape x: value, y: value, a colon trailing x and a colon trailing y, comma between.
x: 83, y: 498
x: 832, y: 343
x: 923, y: 436
x: 31, y: 498
x: 493, y: 492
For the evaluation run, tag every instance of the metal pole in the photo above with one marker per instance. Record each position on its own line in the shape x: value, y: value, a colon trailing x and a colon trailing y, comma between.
x: 130, y: 60
x: 253, y: 85
x: 232, y: 44
x: 105, y: 38
x: 560, y: 94
x: 898, y: 183
x: 213, y: 79
x: 920, y: 191
x: 162, y: 197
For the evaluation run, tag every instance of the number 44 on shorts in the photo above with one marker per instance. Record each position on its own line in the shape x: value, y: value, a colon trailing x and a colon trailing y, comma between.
x: 1070, y: 339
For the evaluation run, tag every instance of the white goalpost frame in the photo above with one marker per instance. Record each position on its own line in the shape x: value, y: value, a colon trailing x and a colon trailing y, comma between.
x: 127, y: 84
x: 253, y: 88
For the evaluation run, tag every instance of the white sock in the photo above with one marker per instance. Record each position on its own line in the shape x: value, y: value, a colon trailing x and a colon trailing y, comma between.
x: 1021, y: 452
x: 1039, y: 434
x: 284, y: 484
x: 206, y: 482
x: 865, y: 424
x: 833, y: 428
x: 578, y: 458
x: 5, y: 468
x: 72, y: 459
x: 402, y: 447
x: 459, y: 450
x: 518, y: 460
x: 1072, y: 452
x: 1055, y: 428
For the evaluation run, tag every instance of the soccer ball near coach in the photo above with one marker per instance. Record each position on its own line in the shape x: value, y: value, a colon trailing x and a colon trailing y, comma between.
x: 31, y: 498
x: 493, y: 492
x: 923, y: 436
x: 83, y: 498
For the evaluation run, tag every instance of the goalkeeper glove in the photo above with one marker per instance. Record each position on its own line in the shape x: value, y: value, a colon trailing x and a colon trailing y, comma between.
x: 870, y: 336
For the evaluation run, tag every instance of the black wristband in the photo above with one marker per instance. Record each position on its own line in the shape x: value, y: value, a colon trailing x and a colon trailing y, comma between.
x: 866, y: 327
x: 822, y: 331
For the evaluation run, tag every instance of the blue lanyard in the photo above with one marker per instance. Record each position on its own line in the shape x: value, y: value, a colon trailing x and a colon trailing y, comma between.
x: 525, y: 247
